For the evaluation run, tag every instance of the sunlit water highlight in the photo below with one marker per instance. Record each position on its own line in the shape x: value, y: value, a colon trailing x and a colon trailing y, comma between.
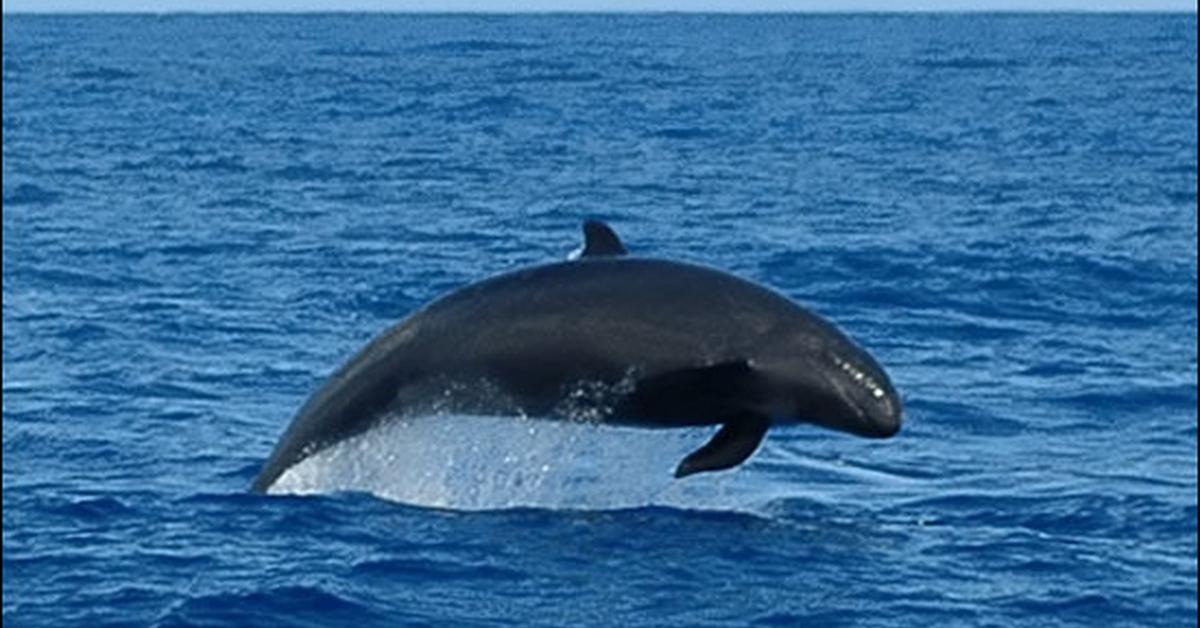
x: 467, y: 462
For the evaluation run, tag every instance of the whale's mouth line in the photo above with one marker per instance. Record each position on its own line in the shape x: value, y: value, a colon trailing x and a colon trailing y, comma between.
x: 859, y: 377
x: 850, y: 382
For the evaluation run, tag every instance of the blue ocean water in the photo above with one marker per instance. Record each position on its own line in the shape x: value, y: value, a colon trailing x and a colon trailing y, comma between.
x: 205, y: 215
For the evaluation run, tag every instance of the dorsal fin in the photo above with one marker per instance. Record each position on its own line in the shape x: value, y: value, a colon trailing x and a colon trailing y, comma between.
x: 599, y: 239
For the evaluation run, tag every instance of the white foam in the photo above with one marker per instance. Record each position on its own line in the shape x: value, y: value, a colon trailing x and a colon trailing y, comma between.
x: 483, y: 463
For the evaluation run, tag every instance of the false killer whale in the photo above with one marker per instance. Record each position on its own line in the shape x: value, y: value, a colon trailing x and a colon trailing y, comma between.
x: 609, y: 338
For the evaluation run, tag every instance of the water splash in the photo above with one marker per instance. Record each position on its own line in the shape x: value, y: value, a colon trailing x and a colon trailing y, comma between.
x: 466, y: 462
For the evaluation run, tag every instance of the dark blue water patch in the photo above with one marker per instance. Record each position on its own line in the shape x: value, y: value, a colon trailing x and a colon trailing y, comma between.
x: 476, y: 46
x: 1070, y: 606
x: 415, y: 161
x: 386, y: 303
x: 684, y: 133
x: 536, y: 64
x: 1182, y: 197
x: 176, y: 390
x: 86, y: 332
x: 311, y: 605
x: 400, y: 568
x: 103, y: 74
x: 416, y: 106
x: 314, y: 174
x: 144, y: 164
x: 872, y: 109
x: 553, y: 77
x: 1045, y: 102
x: 661, y: 189
x: 492, y: 106
x: 30, y: 194
x: 352, y: 52
x: 434, y: 168
x: 969, y: 63
x: 78, y: 278
x: 236, y: 202
x: 206, y: 249
x: 1136, y: 399
x: 223, y: 163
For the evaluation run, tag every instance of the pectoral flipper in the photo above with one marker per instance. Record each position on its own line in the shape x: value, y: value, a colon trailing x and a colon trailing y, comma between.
x: 737, y: 439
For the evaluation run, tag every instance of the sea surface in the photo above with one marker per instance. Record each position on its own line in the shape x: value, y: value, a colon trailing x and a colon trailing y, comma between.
x: 204, y: 216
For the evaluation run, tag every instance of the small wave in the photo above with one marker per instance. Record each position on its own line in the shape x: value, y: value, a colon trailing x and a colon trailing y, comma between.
x: 1134, y: 399
x: 141, y: 165
x: 493, y: 105
x: 1184, y: 169
x: 223, y: 163
x: 430, y: 168
x: 237, y: 499
x: 844, y: 471
x: 783, y: 618
x: 290, y: 605
x: 30, y: 194
x: 306, y: 173
x: 407, y: 108
x: 1116, y: 515
x: 1093, y: 605
x: 85, y: 332
x: 1182, y: 197
x: 436, y: 570
x: 353, y: 197
x: 657, y: 189
x: 77, y: 278
x: 412, y: 162
x: 352, y: 53
x: 1044, y: 102
x: 874, y: 108
x: 476, y: 45
x: 168, y: 390
x: 968, y: 63
x: 1054, y: 369
x: 92, y: 509
x: 207, y: 249
x: 237, y: 202
x: 561, y: 77
x: 526, y: 64
x: 655, y: 66
x: 1065, y: 61
x: 685, y: 133
x: 470, y: 170
x: 105, y: 74
x: 965, y: 418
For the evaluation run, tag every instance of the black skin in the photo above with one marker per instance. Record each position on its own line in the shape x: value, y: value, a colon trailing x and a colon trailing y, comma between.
x: 609, y: 338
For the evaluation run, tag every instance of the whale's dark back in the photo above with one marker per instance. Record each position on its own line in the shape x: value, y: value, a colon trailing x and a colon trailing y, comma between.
x: 624, y: 309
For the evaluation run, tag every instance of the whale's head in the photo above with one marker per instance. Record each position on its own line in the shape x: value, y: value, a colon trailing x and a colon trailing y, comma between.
x: 831, y: 382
